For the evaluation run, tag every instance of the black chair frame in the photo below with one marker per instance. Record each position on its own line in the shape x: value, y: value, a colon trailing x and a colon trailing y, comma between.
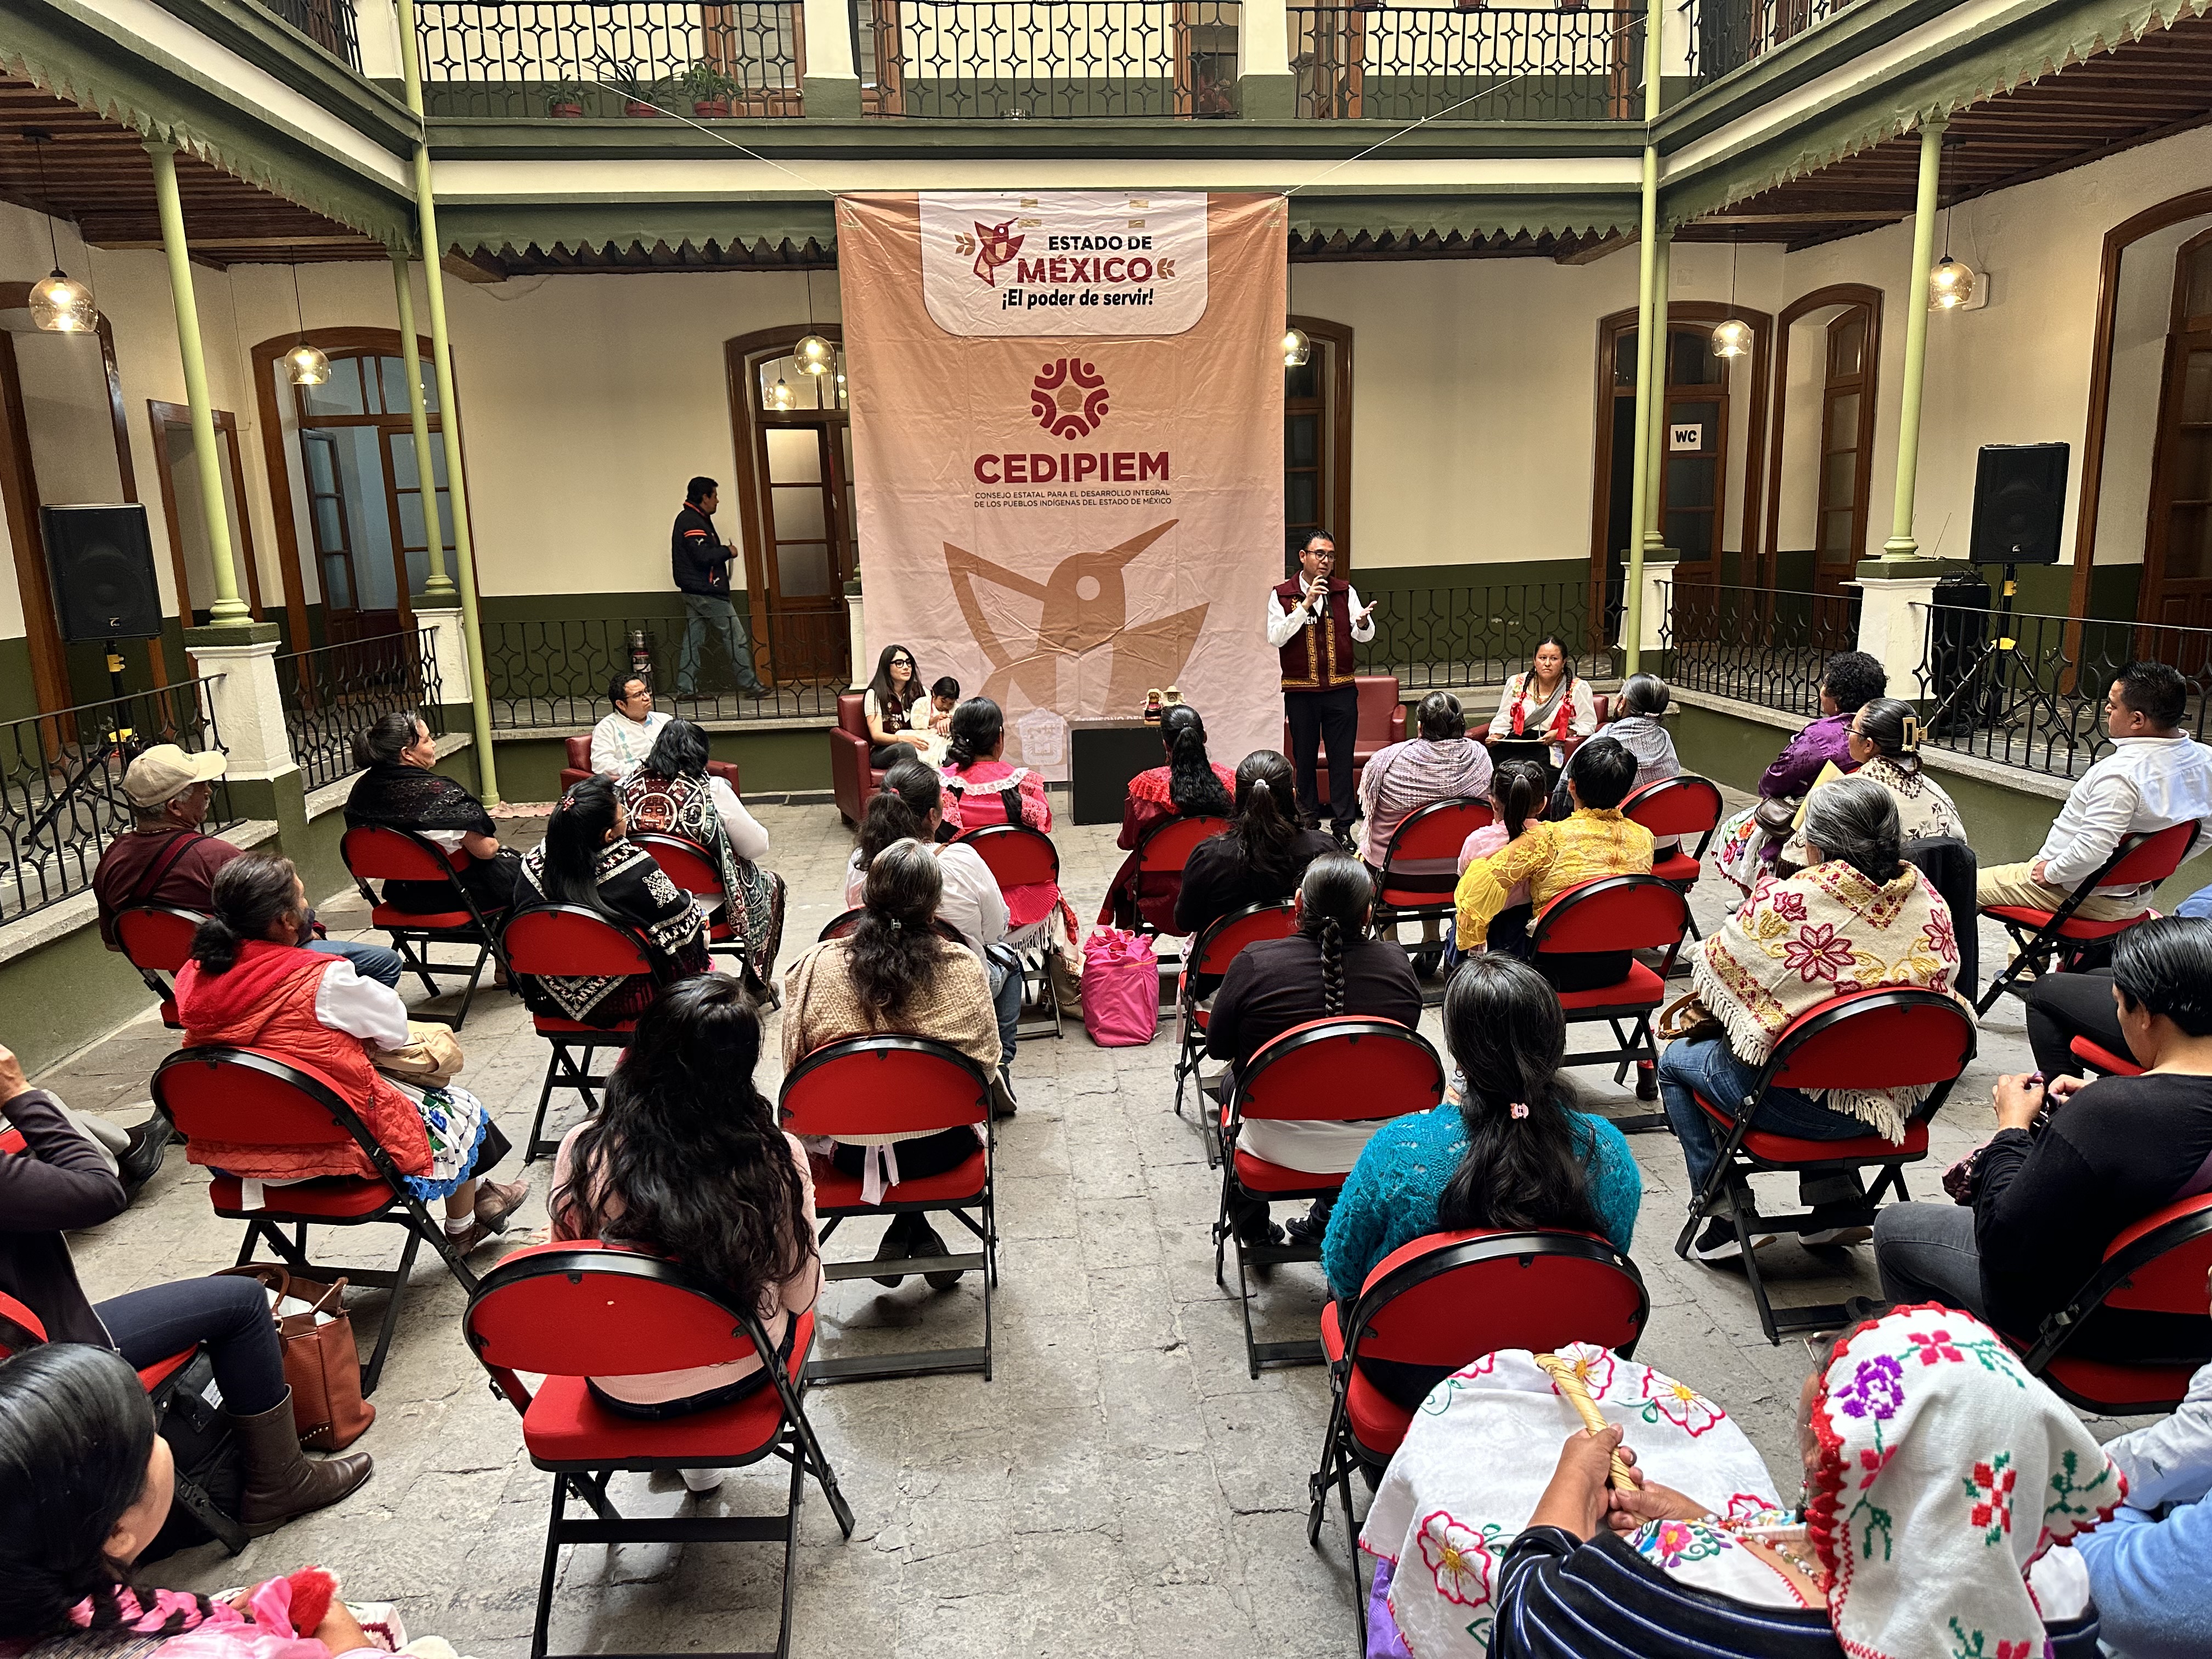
x: 984, y: 1224
x: 2034, y: 944
x: 2062, y: 1327
x: 1158, y: 826
x: 794, y: 1442
x: 402, y: 1209
x: 1342, y: 1451
x: 1729, y: 1181
x: 1192, y: 1054
x: 414, y: 943
x: 1638, y: 1043
x: 1035, y: 976
x: 648, y: 839
x: 569, y: 1064
x: 1704, y: 842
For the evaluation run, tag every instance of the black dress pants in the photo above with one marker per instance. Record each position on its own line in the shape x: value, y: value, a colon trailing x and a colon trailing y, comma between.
x: 2062, y: 1006
x: 1318, y: 717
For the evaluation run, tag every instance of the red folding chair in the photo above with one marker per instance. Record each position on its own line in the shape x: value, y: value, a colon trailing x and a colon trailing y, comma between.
x: 157, y: 940
x: 1019, y: 856
x: 2156, y: 1266
x: 241, y: 1097
x: 1889, y: 1036
x: 895, y: 1085
x: 1616, y: 913
x: 1211, y: 953
x: 574, y: 1311
x: 567, y: 941
x: 2139, y: 860
x: 1441, y: 1301
x: 385, y: 855
x: 1162, y: 850
x: 691, y: 869
x: 2103, y: 1059
x: 1335, y: 1071
x: 1675, y: 809
x: 1420, y: 868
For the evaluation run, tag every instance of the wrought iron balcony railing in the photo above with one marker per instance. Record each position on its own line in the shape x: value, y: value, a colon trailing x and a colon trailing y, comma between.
x: 332, y: 694
x: 1048, y: 59
x: 329, y: 23
x: 1483, y: 63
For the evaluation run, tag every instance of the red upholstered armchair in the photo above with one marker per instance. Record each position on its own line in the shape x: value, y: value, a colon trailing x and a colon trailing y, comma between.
x: 1382, y: 722
x: 850, y: 774
x: 579, y: 766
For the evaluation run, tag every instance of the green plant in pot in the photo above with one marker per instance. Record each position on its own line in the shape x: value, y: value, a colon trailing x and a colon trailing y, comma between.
x: 564, y: 100
x: 641, y: 97
x: 709, y: 90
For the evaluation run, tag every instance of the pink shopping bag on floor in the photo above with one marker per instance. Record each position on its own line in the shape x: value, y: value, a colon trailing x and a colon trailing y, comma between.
x: 1120, y: 988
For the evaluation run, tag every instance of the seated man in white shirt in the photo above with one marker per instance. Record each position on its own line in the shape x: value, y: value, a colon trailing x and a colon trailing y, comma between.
x: 626, y: 737
x: 2157, y: 775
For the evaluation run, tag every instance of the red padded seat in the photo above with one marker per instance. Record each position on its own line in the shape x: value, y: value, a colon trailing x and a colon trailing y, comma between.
x: 1256, y: 1175
x: 2104, y: 1059
x: 1790, y: 1149
x: 2120, y: 1390
x: 335, y: 1199
x: 549, y: 1025
x: 162, y: 1370
x: 1642, y: 989
x: 1378, y: 1422
x: 834, y: 1188
x: 384, y: 916
x: 1681, y: 867
x: 2074, y: 926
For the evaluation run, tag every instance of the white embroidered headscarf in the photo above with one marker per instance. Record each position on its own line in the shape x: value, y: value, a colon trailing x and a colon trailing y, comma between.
x: 1945, y: 1472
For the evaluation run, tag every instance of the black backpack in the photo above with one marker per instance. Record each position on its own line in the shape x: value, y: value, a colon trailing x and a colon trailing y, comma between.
x: 210, y: 1462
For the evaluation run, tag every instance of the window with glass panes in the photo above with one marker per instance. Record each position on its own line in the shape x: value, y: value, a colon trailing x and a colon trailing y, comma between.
x: 2178, y: 555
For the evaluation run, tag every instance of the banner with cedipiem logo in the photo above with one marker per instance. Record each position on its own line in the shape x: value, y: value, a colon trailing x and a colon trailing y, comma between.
x: 1068, y: 449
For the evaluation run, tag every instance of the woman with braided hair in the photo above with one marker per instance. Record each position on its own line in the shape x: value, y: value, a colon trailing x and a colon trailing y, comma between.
x: 1333, y: 965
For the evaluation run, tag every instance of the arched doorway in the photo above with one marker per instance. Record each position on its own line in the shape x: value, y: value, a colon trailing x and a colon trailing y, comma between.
x: 2176, y: 580
x: 1317, y: 439
x: 1819, y: 476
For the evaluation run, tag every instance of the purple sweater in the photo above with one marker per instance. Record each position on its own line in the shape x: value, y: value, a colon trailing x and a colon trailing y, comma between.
x: 1827, y: 738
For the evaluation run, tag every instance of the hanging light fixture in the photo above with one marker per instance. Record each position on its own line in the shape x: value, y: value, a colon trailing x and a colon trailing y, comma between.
x: 1732, y: 336
x: 814, y: 355
x: 780, y: 395
x: 1951, y: 284
x: 303, y: 364
x: 59, y: 303
x: 1297, y: 348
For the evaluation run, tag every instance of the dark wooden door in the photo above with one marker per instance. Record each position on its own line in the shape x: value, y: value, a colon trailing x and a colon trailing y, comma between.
x: 2177, y: 550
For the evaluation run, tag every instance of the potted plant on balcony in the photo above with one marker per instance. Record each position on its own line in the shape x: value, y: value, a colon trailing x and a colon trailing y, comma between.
x: 709, y: 90
x: 564, y: 100
x: 640, y: 97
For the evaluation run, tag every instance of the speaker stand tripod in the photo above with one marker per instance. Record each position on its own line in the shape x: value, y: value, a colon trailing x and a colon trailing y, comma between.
x: 1990, y: 677
x: 116, y: 746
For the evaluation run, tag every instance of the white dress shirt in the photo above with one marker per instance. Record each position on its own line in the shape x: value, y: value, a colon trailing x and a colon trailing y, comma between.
x: 1282, y: 625
x: 747, y: 839
x: 619, y: 742
x: 972, y: 906
x: 2144, y: 784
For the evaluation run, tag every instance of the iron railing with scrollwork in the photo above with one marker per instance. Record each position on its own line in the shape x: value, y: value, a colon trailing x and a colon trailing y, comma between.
x: 554, y: 675
x: 628, y: 58
x: 1048, y: 59
x: 1433, y: 637
x: 1760, y: 645
x: 1490, y: 64
x: 61, y: 786
x: 332, y: 694
x: 330, y: 24
x: 2039, y: 705
x: 1724, y: 35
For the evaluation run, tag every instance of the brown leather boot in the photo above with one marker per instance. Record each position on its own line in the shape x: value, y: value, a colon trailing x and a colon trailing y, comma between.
x: 281, y: 1483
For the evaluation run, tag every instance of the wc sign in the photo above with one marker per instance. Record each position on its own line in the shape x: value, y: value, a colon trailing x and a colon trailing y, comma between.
x: 1681, y: 437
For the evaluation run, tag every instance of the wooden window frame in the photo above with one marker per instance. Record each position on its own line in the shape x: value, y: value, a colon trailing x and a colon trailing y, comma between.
x: 1836, y: 294
x: 1337, y: 404
x: 2158, y: 521
x: 161, y: 416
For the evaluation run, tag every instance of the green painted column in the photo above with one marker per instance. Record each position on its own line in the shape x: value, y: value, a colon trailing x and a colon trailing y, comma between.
x: 228, y: 611
x: 1654, y: 530
x: 1648, y: 256
x: 438, y: 582
x: 1900, y: 544
x: 449, y: 408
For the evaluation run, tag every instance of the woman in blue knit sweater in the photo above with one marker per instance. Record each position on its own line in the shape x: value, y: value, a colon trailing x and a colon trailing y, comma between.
x: 1506, y: 1149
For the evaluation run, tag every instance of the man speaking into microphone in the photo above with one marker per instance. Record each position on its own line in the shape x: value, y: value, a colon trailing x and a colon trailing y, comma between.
x: 1313, y: 621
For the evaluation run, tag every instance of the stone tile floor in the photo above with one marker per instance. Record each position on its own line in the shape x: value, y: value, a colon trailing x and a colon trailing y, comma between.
x: 1121, y: 1487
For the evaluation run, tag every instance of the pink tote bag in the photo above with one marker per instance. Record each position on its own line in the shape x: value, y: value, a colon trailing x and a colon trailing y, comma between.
x: 1120, y: 988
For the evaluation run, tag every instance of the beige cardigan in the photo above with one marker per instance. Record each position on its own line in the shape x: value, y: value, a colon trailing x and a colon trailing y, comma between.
x: 821, y: 1005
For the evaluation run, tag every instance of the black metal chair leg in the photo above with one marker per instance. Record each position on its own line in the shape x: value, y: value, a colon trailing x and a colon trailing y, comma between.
x: 552, y: 1568
x: 370, y: 1376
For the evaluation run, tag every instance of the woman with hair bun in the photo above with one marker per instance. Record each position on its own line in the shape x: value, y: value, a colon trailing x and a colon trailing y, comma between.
x: 1333, y: 965
x: 1883, y: 745
x: 982, y: 789
x: 1191, y: 785
x: 1260, y: 857
x: 400, y: 788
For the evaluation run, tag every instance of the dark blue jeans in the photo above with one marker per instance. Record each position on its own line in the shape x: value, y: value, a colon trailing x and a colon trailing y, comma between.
x: 1708, y: 1066
x: 374, y: 962
x: 231, y: 1316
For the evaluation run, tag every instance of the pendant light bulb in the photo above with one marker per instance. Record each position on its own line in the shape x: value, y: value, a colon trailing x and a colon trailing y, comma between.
x: 1950, y: 285
x: 62, y: 305
x: 1297, y: 348
x: 780, y: 395
x: 815, y: 356
x: 306, y: 366
x: 1732, y: 338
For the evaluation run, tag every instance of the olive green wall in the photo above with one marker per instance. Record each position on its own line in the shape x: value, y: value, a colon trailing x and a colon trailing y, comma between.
x: 65, y: 995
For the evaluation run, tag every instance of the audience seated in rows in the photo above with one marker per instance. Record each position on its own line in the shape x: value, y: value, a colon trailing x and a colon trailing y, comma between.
x: 1191, y: 785
x: 398, y: 789
x: 909, y: 808
x: 982, y: 789
x: 1508, y: 1147
x: 1259, y: 859
x: 671, y: 792
x: 1333, y: 965
x: 1899, y: 1417
x: 85, y: 1484
x: 2156, y: 776
x: 1594, y: 839
x: 894, y: 972
x: 163, y: 858
x: 1745, y: 848
x: 587, y: 859
x: 1883, y: 745
x: 1856, y: 916
x: 250, y: 985
x: 2046, y: 1201
x: 685, y: 1160
x: 1440, y: 762
x: 893, y: 705
x: 626, y: 737
x: 58, y: 1184
x: 2146, y: 1562
x: 1547, y: 702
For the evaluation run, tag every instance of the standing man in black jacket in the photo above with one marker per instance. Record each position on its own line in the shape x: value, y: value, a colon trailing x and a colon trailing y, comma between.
x: 701, y: 561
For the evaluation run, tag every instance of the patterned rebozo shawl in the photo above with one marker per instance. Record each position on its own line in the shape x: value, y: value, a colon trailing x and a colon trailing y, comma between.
x: 685, y: 807
x: 401, y: 797
x: 632, y: 889
x: 1796, y: 943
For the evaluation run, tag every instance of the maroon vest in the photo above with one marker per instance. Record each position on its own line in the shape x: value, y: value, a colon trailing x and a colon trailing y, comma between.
x: 1314, y: 660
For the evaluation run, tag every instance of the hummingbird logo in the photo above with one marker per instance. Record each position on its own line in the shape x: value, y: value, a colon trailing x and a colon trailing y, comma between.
x: 993, y: 246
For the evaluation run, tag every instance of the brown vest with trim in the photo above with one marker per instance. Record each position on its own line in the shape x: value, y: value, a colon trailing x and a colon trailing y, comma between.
x: 1318, y: 658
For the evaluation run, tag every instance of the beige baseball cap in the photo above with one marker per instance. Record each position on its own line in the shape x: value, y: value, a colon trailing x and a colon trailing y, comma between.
x: 166, y: 770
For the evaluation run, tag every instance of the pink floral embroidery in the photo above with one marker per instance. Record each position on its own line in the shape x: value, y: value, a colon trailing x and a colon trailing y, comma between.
x: 1593, y: 1369
x: 1680, y: 1405
x: 1990, y: 1487
x: 1790, y: 907
x: 1481, y: 1367
x: 1816, y: 953
x: 1458, y: 1559
x: 1935, y: 1349
x: 1942, y: 941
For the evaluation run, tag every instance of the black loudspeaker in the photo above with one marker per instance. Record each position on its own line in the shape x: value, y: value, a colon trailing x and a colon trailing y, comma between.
x: 100, y: 560
x: 2020, y: 492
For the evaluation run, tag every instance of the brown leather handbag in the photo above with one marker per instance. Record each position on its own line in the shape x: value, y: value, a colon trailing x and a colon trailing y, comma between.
x: 321, y: 1365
